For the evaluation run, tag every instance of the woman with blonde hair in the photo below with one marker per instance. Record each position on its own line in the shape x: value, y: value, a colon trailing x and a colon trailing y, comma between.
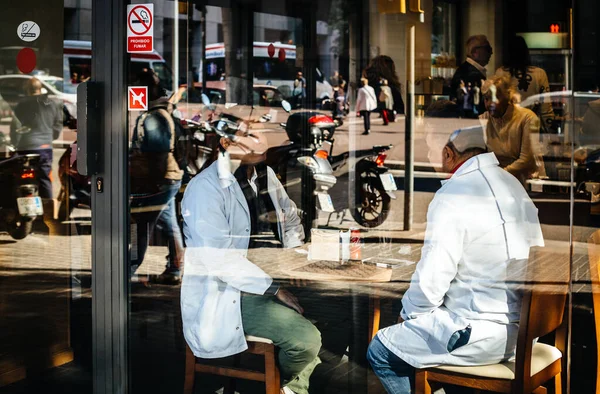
x: 512, y: 132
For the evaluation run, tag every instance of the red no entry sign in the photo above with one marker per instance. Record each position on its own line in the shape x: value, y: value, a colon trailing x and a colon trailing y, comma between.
x: 140, y: 28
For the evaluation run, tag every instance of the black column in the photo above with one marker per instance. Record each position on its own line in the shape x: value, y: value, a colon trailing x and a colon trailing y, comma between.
x: 239, y: 49
x: 110, y: 207
x: 310, y: 53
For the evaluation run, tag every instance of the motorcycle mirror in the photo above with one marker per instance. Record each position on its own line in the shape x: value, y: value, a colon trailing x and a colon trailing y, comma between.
x: 222, y: 126
x: 287, y: 107
x: 205, y: 99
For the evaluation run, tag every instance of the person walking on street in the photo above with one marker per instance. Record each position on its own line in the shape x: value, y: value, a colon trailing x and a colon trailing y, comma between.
x: 386, y: 101
x: 155, y: 177
x: 365, y: 103
x: 383, y: 67
x: 473, y: 71
x: 37, y: 122
x: 299, y: 91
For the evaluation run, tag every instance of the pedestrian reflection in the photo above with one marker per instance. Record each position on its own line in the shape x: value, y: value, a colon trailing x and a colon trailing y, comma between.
x: 37, y: 122
x: 155, y: 175
x: 512, y: 132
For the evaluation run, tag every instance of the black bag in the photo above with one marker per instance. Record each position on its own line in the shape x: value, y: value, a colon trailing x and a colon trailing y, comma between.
x: 149, y: 155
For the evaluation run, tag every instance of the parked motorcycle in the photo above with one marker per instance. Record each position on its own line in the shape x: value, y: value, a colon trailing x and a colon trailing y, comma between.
x: 20, y: 203
x: 311, y: 132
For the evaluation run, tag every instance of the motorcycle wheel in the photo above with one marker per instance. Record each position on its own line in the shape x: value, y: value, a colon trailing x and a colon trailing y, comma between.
x: 19, y: 228
x: 372, y: 202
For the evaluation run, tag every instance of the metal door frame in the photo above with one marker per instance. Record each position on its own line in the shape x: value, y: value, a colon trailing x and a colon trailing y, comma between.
x: 110, y: 207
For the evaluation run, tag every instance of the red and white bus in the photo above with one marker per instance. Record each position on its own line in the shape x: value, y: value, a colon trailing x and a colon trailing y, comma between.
x: 77, y: 64
x: 277, y: 69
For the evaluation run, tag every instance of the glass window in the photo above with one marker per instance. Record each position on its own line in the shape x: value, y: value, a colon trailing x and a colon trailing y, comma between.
x: 45, y: 216
x: 288, y: 207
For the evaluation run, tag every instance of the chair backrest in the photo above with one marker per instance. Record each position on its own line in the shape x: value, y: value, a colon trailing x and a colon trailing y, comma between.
x: 542, y: 312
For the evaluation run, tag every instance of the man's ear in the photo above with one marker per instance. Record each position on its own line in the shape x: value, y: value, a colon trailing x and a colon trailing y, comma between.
x: 447, y: 153
x: 225, y: 142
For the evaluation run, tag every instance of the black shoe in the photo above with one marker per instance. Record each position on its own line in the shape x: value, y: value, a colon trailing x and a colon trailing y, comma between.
x: 171, y: 276
x: 366, y: 132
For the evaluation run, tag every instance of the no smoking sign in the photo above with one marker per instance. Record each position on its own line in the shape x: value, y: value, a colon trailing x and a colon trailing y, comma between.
x: 140, y: 28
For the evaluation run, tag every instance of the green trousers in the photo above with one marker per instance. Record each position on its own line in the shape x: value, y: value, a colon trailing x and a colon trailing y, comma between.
x: 297, y: 339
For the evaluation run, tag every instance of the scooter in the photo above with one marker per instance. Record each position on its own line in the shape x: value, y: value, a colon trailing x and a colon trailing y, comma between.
x: 309, y: 132
x: 20, y: 203
x: 374, y: 185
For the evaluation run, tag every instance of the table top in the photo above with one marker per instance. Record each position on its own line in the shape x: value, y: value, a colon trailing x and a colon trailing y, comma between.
x: 549, y: 266
x: 378, y: 258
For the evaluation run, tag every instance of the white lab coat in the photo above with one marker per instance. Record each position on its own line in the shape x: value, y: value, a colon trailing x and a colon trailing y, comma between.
x: 217, y: 232
x: 366, y: 100
x: 480, y: 227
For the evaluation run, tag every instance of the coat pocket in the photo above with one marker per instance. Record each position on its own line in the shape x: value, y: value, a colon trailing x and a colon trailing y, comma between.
x: 449, y: 332
x: 459, y: 339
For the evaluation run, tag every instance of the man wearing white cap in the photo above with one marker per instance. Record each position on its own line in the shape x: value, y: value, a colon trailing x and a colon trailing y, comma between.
x: 459, y: 308
x: 224, y: 295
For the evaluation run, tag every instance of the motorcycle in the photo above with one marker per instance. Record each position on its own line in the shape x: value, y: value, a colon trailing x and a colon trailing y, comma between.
x: 20, y: 203
x: 374, y: 185
x: 311, y: 132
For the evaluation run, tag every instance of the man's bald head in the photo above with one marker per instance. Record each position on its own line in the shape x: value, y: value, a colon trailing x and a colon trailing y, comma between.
x: 479, y: 49
x: 33, y: 87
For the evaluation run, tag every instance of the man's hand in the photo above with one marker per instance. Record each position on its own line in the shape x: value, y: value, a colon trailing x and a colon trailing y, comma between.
x: 290, y: 300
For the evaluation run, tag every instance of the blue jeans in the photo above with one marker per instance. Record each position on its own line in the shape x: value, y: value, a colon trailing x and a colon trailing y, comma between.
x: 145, y: 221
x: 396, y: 375
x: 167, y: 222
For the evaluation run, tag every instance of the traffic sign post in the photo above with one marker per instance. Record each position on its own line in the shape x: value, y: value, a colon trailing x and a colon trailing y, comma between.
x: 140, y: 28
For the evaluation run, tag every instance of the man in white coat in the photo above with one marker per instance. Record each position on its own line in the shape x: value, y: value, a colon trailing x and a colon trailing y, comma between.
x: 224, y: 295
x: 459, y: 308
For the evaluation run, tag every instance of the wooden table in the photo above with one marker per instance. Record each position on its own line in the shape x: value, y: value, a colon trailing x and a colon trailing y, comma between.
x: 363, y: 280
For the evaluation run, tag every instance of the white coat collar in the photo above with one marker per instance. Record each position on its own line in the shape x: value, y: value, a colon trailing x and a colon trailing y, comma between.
x: 226, y: 177
x: 473, y: 164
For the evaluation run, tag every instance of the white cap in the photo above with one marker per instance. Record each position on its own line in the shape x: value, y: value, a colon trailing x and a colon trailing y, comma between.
x: 468, y: 138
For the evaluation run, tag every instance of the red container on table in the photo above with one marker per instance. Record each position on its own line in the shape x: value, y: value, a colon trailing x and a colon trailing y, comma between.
x: 355, y: 244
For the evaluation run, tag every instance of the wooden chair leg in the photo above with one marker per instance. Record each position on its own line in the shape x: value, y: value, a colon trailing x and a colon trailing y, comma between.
x: 540, y: 390
x: 422, y: 386
x: 375, y: 312
x: 190, y: 371
x: 272, y: 380
x: 558, y: 384
x: 230, y: 383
